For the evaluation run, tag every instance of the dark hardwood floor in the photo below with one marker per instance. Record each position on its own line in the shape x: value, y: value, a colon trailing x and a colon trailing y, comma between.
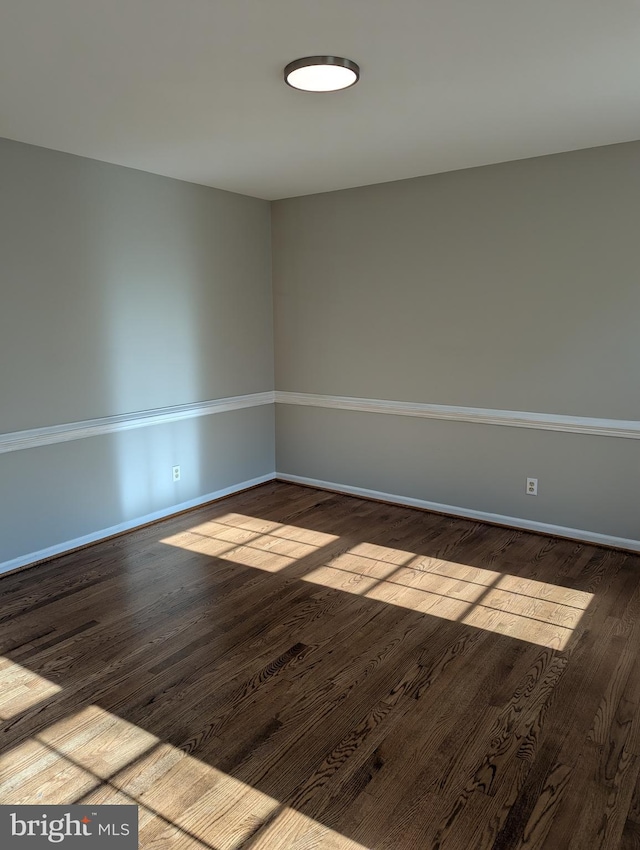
x: 291, y: 668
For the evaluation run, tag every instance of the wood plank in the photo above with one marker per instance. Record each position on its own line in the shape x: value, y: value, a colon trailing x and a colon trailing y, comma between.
x: 291, y: 668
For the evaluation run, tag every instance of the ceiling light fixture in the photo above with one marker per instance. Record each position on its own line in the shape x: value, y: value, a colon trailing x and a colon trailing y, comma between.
x: 321, y: 73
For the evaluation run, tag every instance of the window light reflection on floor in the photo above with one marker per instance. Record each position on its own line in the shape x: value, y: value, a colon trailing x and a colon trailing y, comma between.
x: 511, y: 605
x: 93, y: 756
x: 21, y: 688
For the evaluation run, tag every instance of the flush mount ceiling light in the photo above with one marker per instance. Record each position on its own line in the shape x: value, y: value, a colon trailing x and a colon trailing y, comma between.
x: 321, y: 73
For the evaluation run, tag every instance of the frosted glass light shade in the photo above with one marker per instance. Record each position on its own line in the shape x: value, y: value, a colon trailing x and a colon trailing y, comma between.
x: 321, y: 73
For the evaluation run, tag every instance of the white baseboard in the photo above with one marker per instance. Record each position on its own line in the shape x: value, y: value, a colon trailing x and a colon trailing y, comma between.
x: 69, y: 545
x: 467, y: 513
x: 481, y: 516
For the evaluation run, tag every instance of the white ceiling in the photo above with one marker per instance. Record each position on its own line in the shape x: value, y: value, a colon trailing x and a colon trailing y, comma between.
x: 193, y: 88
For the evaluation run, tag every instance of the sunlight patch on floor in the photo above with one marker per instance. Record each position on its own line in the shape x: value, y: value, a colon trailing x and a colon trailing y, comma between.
x: 526, y: 609
x: 291, y: 829
x: 21, y: 688
x: 99, y: 741
x: 271, y: 550
x: 232, y: 526
x: 93, y: 756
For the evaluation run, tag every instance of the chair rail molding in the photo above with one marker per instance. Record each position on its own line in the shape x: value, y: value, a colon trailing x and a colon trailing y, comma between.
x: 29, y: 439
x: 47, y: 435
x: 625, y: 428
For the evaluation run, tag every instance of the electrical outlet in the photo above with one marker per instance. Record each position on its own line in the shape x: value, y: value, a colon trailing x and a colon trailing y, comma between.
x: 176, y: 473
x: 532, y: 487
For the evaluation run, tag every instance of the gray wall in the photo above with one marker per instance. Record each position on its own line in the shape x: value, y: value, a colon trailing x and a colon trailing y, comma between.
x: 511, y: 287
x: 120, y: 292
x: 508, y: 287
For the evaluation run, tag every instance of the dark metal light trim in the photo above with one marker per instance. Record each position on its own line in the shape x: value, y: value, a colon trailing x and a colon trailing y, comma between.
x: 308, y: 61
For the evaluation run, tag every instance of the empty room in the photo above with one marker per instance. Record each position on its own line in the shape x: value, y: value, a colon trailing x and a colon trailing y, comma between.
x: 319, y: 422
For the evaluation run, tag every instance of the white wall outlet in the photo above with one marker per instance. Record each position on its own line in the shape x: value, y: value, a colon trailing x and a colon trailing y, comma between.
x: 176, y: 473
x: 532, y: 487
